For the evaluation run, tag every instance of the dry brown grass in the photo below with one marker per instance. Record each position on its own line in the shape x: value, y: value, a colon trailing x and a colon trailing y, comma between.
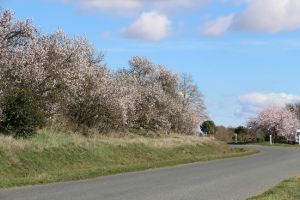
x: 49, y: 139
x: 172, y: 140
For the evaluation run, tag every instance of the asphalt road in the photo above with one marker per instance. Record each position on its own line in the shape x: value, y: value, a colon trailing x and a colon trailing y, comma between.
x: 229, y: 179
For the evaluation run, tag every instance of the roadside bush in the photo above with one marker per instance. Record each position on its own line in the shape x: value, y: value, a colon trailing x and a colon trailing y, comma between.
x: 259, y: 135
x: 225, y: 134
x: 208, y: 127
x: 21, y: 115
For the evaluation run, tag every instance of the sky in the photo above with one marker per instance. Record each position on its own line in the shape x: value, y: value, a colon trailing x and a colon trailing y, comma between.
x: 243, y: 54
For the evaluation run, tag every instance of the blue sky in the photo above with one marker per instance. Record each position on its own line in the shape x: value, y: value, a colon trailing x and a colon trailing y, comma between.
x: 243, y: 54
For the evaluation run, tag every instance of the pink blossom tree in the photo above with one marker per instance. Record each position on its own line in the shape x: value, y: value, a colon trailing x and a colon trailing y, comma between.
x: 276, y: 121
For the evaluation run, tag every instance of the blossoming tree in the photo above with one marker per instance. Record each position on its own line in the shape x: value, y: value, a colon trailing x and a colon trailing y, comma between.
x: 276, y: 121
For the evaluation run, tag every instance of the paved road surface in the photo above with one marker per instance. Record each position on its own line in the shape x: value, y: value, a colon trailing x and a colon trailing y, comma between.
x: 229, y: 179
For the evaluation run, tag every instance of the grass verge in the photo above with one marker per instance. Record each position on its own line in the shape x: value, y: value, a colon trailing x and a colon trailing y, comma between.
x: 52, y: 157
x: 287, y: 190
x: 277, y: 144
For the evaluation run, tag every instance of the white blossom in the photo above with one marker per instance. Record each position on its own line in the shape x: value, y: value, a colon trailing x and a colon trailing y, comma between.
x: 69, y: 81
x: 277, y: 121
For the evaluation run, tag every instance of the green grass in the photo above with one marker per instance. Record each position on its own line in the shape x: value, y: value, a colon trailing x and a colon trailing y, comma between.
x: 287, y: 190
x: 277, y: 144
x: 52, y: 157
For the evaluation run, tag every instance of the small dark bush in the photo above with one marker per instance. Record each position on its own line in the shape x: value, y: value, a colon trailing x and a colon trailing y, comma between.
x: 260, y: 140
x: 21, y: 114
x: 209, y: 127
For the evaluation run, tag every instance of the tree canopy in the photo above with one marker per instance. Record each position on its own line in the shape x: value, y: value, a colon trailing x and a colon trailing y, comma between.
x: 209, y: 127
x: 276, y: 121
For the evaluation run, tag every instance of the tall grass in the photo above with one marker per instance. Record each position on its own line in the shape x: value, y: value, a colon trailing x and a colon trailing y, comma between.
x: 50, y: 156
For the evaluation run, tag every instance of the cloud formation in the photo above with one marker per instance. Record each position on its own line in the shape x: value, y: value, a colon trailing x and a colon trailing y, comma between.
x: 150, y: 26
x: 217, y: 27
x: 264, y: 16
x: 153, y: 22
x: 253, y: 103
x: 124, y: 7
x: 130, y: 7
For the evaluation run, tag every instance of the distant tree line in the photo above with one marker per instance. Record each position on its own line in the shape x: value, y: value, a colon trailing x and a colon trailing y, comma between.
x: 63, y: 80
x: 279, y: 122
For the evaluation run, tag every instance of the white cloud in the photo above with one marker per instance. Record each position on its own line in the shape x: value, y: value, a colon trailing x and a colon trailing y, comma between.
x: 121, y: 6
x: 130, y: 7
x: 218, y: 26
x: 253, y: 103
x: 170, y: 6
x: 112, y: 4
x: 265, y: 16
x: 150, y: 26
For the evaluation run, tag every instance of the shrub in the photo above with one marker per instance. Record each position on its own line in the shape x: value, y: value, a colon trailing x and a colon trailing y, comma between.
x: 21, y: 115
x: 241, y: 130
x: 224, y: 134
x: 208, y: 127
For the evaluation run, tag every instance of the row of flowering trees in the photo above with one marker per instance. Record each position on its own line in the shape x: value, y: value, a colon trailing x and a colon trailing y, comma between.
x: 70, y: 83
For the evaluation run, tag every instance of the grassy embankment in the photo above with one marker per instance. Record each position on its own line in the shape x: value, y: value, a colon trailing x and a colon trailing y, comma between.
x: 287, y: 190
x: 51, y: 157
